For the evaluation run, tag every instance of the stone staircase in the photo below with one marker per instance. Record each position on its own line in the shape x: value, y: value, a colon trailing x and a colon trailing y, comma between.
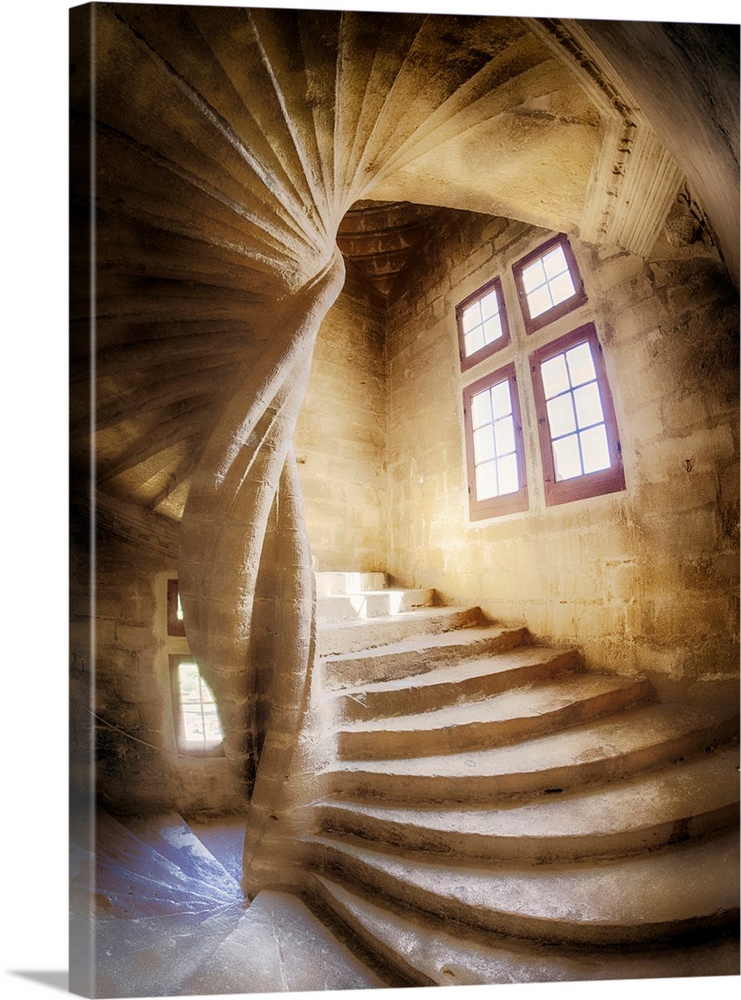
x: 160, y: 913
x: 493, y: 812
x: 489, y: 812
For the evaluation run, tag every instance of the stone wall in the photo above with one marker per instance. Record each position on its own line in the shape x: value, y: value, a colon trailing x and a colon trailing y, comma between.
x: 340, y: 438
x: 138, y: 765
x: 644, y: 579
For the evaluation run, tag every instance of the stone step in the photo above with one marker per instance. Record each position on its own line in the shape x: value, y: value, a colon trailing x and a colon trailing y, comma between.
x: 503, y: 718
x: 424, y: 951
x: 654, y: 897
x: 343, y: 638
x: 463, y: 681
x: 370, y: 604
x: 278, y: 946
x: 417, y: 655
x: 598, y: 751
x: 133, y: 879
x: 347, y: 583
x: 679, y: 802
x: 176, y: 840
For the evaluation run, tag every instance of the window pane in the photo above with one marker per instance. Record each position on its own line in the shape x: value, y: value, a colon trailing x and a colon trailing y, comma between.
x: 501, y: 400
x: 212, y: 731
x: 492, y: 329
x: 509, y: 481
x: 490, y: 305
x: 561, y: 418
x: 504, y: 432
x: 471, y: 316
x: 594, y: 449
x: 554, y: 262
x: 539, y: 301
x: 189, y: 681
x: 486, y: 480
x: 566, y: 458
x: 192, y: 724
x: 533, y: 276
x: 555, y: 376
x: 562, y: 288
x: 581, y: 365
x: 588, y: 405
x: 483, y: 444
x: 481, y: 408
x: 473, y: 341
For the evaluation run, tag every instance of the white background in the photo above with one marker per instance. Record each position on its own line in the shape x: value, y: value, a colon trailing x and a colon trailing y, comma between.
x: 33, y: 487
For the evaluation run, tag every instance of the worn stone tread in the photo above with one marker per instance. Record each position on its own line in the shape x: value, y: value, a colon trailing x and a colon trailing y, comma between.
x: 611, y: 747
x: 678, y: 802
x: 345, y: 637
x: 656, y: 896
x: 501, y: 718
x: 430, y: 955
x: 446, y: 685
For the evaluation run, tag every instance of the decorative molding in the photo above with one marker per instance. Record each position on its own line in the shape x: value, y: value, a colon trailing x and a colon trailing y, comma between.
x: 635, y: 179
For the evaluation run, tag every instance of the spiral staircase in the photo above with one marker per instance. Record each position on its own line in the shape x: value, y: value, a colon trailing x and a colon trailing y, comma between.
x: 534, y: 821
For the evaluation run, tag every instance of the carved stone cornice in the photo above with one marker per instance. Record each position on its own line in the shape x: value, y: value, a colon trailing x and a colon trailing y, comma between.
x: 634, y: 179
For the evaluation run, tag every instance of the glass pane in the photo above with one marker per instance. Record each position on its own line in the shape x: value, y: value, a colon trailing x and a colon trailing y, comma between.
x: 555, y: 377
x: 473, y: 341
x: 504, y: 433
x: 509, y: 481
x: 539, y: 301
x: 533, y: 276
x: 566, y: 458
x: 554, y: 262
x: 192, y: 724
x: 212, y: 727
x: 481, y: 408
x: 561, y: 418
x: 581, y: 365
x: 501, y: 400
x: 486, y: 480
x: 471, y: 316
x: 189, y: 681
x: 595, y: 449
x: 490, y: 305
x: 562, y: 288
x: 588, y: 405
x: 483, y: 444
x: 492, y: 329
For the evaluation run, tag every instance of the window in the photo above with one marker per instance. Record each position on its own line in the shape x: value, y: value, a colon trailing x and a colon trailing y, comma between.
x: 579, y: 443
x: 175, y: 622
x: 494, y: 453
x: 548, y: 283
x: 197, y: 718
x: 482, y: 324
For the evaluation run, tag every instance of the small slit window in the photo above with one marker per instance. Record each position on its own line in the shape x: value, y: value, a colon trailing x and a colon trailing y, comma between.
x: 197, y: 718
x: 579, y: 442
x: 548, y: 283
x: 175, y: 620
x: 482, y: 324
x: 494, y: 453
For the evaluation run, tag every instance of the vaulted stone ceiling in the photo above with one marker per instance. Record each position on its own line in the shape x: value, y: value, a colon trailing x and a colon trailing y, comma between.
x: 232, y: 143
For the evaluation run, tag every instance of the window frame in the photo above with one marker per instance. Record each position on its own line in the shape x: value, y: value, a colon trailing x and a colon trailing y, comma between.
x: 487, y: 350
x: 509, y: 503
x: 575, y: 301
x: 184, y: 748
x: 590, y: 484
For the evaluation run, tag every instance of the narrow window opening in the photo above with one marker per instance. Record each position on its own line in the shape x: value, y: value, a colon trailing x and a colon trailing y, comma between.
x: 496, y: 472
x: 482, y: 324
x: 548, y: 283
x: 580, y: 446
x: 197, y: 717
